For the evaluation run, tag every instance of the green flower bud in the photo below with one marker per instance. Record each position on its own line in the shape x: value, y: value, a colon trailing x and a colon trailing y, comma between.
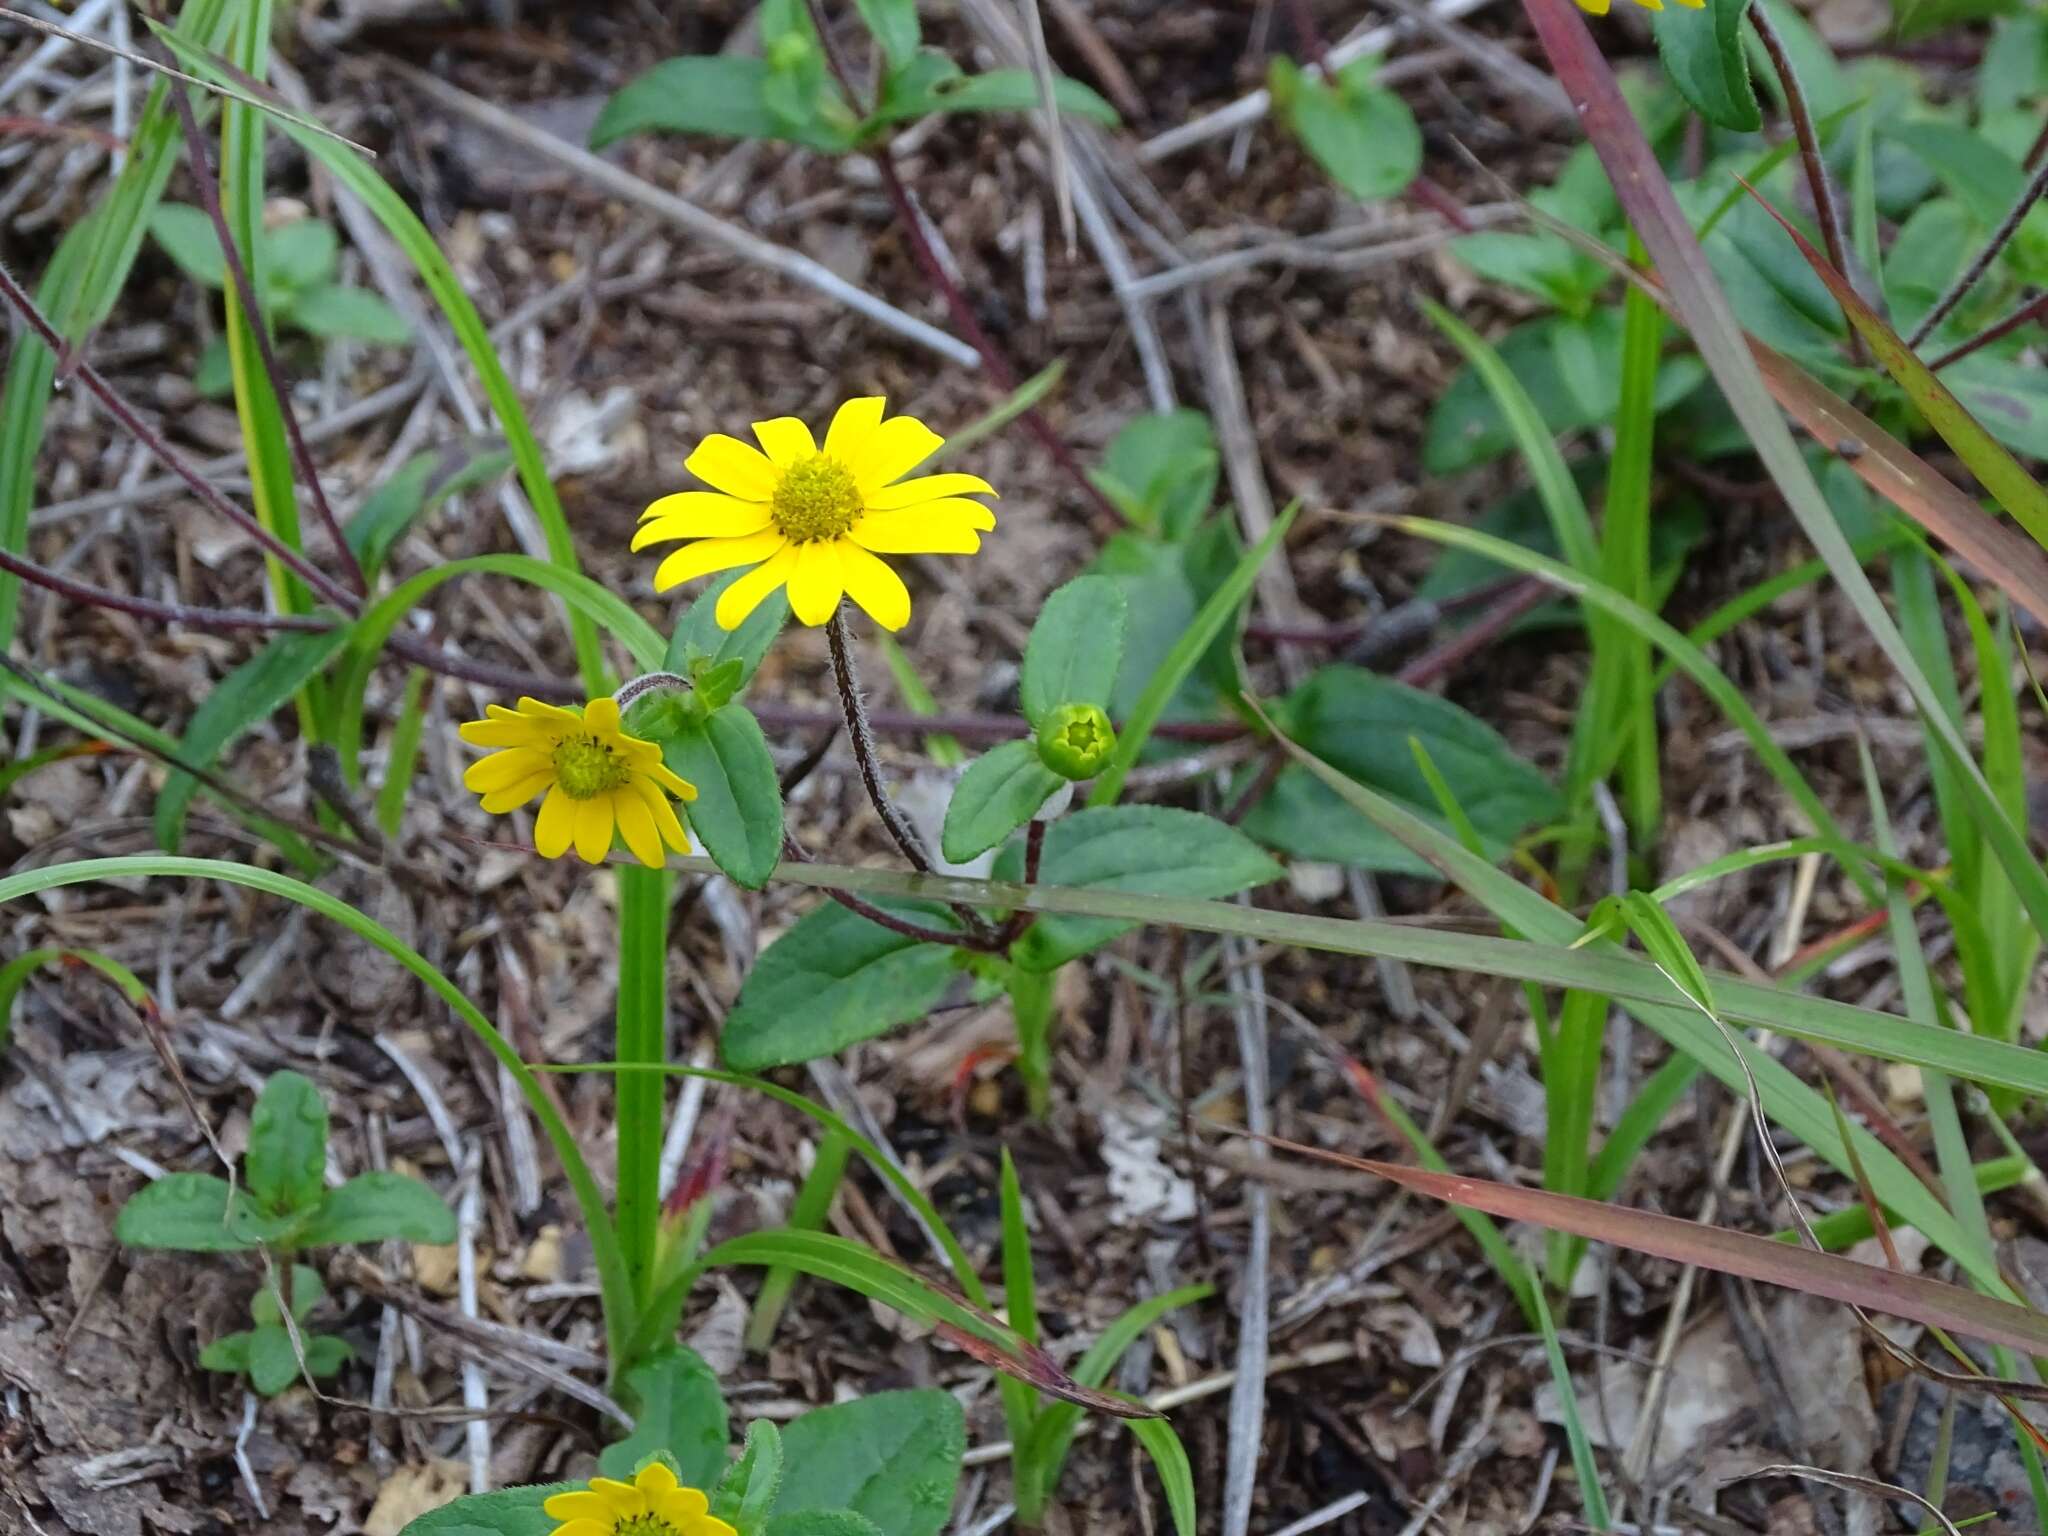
x: 788, y: 52
x: 1075, y: 740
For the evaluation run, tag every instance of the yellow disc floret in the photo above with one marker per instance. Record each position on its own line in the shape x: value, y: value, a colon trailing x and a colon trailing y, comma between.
x: 586, y: 768
x: 817, y: 499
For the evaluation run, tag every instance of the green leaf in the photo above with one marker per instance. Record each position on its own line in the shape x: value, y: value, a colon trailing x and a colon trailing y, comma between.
x: 720, y: 94
x: 1704, y: 56
x: 1361, y: 133
x: 823, y: 1522
x: 894, y: 24
x: 375, y: 1205
x: 929, y: 81
x: 246, y: 696
x: 272, y: 1364
x: 700, y: 642
x: 1360, y: 723
x: 326, y: 1354
x: 747, y: 1491
x: 187, y: 236
x: 194, y: 1213
x: 229, y: 1352
x: 1466, y: 427
x: 301, y: 256
x: 286, y: 1164
x: 1076, y: 645
x: 893, y: 1458
x: 307, y: 1289
x: 338, y: 310
x: 423, y: 482
x: 1539, y: 264
x: 508, y: 1512
x: 833, y: 980
x: 737, y: 814
x: 1170, y: 1461
x: 677, y: 1410
x: 215, y: 374
x: 1152, y: 850
x: 1161, y: 470
x: 1000, y: 791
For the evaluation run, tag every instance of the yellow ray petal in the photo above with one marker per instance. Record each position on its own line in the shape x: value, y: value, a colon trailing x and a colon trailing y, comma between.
x: 787, y: 442
x: 893, y: 450
x: 708, y: 555
x: 514, y: 795
x: 852, y: 425
x: 744, y: 595
x: 879, y: 590
x: 626, y: 1500
x: 585, y: 1527
x: 913, y: 531
x: 663, y: 778
x: 681, y: 1506
x: 636, y: 826
x: 502, y: 768
x: 581, y: 1504
x: 516, y: 732
x: 555, y: 827
x: 654, y: 1480
x: 665, y: 819
x: 699, y: 515
x: 907, y: 493
x: 601, y: 714
x: 550, y: 714
x: 594, y: 828
x: 815, y: 584
x: 729, y: 465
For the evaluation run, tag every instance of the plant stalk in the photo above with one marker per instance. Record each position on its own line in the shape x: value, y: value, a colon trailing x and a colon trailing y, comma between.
x: 2001, y: 237
x: 642, y: 1040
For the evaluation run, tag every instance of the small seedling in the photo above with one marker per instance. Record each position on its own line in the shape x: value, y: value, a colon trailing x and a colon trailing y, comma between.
x: 265, y: 1353
x: 282, y: 1204
x: 295, y: 271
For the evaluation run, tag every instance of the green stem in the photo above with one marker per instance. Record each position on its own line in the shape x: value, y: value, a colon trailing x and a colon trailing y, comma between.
x: 642, y: 1040
x: 1031, y: 1003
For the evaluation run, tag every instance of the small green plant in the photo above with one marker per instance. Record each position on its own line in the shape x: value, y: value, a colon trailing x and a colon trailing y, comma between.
x: 1358, y: 131
x: 265, y: 1353
x: 887, y: 1463
x: 282, y: 1204
x: 294, y: 270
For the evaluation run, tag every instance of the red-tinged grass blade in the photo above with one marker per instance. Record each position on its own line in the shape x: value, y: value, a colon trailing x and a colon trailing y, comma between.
x: 1029, y: 1363
x: 2014, y: 563
x: 1989, y: 459
x: 1705, y: 311
x: 1731, y: 1253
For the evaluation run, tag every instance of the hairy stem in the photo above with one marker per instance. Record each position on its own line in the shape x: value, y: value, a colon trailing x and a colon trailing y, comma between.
x: 862, y: 738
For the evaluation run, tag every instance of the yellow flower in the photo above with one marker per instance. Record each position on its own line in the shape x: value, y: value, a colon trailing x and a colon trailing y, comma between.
x: 597, y: 777
x: 1599, y: 7
x: 653, y: 1504
x: 815, y: 519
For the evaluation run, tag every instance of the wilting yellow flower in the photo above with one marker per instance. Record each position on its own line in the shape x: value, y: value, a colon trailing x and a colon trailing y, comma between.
x: 597, y: 778
x: 1599, y: 7
x: 653, y: 1504
x: 815, y: 519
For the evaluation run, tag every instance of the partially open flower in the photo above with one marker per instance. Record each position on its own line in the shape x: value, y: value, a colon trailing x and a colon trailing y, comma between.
x: 653, y: 1504
x: 1075, y: 740
x: 816, y: 519
x: 597, y: 778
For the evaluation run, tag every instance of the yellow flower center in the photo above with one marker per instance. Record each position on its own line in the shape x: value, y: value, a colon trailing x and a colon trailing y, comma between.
x: 816, y: 499
x: 643, y: 1525
x: 586, y: 768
